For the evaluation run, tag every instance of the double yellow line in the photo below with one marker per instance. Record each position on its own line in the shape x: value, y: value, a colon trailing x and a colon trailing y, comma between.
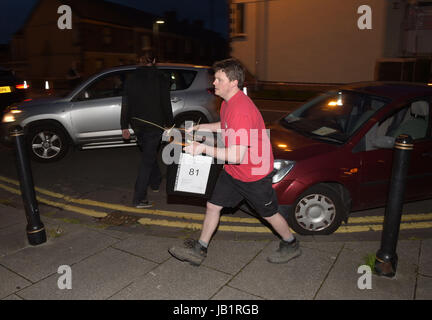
x: 179, y: 219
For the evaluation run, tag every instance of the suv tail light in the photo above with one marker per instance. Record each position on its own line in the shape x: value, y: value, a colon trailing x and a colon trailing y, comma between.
x: 23, y: 85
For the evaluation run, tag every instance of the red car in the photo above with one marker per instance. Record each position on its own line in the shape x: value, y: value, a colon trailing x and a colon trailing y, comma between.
x: 333, y: 155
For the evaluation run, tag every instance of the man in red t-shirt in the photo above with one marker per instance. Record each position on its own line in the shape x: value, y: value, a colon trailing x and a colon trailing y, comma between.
x: 248, y: 172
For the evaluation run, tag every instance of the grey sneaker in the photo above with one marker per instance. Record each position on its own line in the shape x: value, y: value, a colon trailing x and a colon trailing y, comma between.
x: 154, y: 189
x: 285, y: 253
x: 144, y: 204
x: 192, y: 252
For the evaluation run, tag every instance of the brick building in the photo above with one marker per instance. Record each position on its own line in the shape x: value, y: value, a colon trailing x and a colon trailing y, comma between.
x: 106, y: 34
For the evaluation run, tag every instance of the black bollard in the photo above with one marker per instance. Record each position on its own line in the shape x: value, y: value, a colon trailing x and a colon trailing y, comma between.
x: 386, y: 257
x: 35, y: 228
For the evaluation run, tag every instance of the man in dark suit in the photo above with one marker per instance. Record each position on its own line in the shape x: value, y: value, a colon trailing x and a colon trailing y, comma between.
x: 146, y: 97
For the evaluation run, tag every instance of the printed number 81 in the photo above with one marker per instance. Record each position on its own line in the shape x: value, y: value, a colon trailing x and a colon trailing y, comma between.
x: 192, y: 172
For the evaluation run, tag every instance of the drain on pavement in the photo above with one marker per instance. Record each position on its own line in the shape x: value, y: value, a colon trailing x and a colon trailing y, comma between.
x: 119, y: 219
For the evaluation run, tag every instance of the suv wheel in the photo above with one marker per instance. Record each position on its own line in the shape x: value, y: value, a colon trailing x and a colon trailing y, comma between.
x: 47, y: 143
x: 318, y: 211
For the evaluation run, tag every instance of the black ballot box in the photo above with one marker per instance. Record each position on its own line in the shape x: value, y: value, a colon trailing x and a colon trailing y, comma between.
x: 188, y: 175
x: 192, y: 179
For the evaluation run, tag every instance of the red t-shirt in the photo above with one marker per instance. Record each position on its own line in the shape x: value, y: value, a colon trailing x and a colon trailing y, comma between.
x: 242, y: 124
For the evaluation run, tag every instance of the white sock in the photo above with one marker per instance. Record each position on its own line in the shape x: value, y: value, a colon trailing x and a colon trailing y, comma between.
x: 202, y: 243
x: 290, y: 239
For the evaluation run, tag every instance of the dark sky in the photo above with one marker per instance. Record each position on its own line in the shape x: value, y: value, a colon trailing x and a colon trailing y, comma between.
x: 13, y: 13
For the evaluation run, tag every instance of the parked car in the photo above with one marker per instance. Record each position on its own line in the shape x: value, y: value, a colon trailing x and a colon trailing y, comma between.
x: 89, y: 116
x: 12, y: 89
x: 333, y: 155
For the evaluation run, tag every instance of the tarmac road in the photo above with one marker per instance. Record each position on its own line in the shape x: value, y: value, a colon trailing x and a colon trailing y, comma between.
x: 96, y: 186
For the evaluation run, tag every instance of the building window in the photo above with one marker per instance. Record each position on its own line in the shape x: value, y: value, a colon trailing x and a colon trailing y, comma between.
x: 237, y: 20
x: 145, y: 42
x: 188, y: 46
x: 100, y: 64
x: 107, y: 36
x: 76, y: 36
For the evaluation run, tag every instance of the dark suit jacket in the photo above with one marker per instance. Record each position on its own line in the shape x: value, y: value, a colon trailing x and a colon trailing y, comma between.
x: 146, y: 96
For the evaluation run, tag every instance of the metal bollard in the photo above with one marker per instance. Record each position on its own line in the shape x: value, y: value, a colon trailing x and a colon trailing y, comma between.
x: 386, y: 257
x: 35, y: 228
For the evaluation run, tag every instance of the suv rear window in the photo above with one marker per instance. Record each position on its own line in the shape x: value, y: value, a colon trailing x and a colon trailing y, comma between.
x: 180, y: 79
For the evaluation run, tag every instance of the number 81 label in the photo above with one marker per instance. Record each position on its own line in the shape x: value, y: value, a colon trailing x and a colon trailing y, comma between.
x: 193, y: 173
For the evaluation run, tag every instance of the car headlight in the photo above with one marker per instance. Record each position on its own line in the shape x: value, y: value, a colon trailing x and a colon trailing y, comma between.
x: 282, y: 168
x: 10, y: 113
x: 10, y: 116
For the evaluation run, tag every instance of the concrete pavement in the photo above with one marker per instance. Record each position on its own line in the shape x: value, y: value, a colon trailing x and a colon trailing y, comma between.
x: 132, y: 263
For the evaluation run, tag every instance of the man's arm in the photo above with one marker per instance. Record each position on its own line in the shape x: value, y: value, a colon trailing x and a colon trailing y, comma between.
x: 209, y: 127
x: 233, y: 154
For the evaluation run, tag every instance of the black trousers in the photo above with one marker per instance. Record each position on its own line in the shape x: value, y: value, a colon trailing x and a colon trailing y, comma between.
x: 148, y: 173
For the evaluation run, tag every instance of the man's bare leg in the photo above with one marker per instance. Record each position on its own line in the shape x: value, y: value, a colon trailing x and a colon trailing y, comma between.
x: 211, y: 221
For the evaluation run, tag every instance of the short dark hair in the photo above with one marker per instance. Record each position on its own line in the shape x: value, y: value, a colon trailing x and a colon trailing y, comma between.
x: 232, y: 68
x: 147, y: 57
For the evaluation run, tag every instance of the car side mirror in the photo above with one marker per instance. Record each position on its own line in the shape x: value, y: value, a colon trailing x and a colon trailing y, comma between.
x: 384, y: 142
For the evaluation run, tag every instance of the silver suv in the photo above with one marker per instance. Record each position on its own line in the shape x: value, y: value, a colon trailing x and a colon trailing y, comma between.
x: 89, y: 116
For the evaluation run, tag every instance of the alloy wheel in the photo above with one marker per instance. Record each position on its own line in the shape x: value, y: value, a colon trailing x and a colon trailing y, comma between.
x: 315, y: 212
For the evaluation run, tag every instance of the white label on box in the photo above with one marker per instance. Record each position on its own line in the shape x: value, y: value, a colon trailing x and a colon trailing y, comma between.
x: 193, y: 173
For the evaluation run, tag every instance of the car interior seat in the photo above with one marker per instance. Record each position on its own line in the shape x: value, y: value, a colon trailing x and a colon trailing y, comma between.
x: 415, y: 123
x: 368, y: 110
x: 377, y: 131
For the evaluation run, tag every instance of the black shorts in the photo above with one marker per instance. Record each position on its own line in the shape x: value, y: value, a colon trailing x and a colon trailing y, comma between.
x: 229, y: 192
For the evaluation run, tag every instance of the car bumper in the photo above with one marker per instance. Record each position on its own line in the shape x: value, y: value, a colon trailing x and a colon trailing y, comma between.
x: 5, y: 133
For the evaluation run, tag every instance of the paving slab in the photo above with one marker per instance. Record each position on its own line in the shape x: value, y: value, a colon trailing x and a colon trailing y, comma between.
x: 11, y: 282
x: 149, y: 247
x: 342, y: 281
x: 118, y: 232
x: 12, y: 297
x: 12, y: 239
x: 175, y: 280
x: 424, y: 288
x: 425, y: 267
x: 229, y: 293
x: 332, y: 248
x: 98, y: 277
x: 231, y: 256
x: 298, y: 279
x: 37, y: 262
x: 10, y: 216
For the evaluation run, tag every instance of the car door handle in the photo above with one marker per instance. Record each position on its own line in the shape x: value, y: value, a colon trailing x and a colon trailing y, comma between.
x: 175, y: 99
x: 427, y: 154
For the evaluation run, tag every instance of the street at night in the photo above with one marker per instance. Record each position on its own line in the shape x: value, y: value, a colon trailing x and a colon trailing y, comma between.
x: 300, y: 140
